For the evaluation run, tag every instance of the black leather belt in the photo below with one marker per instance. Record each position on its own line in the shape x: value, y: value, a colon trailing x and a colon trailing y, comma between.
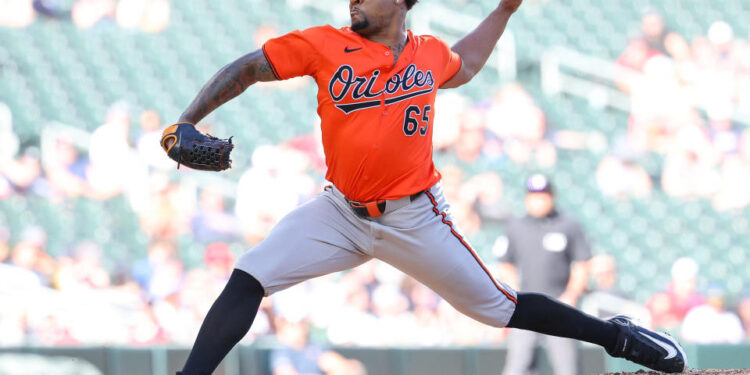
x: 373, y: 209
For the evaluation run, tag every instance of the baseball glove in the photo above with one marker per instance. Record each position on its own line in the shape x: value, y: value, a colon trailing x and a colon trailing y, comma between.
x: 187, y: 146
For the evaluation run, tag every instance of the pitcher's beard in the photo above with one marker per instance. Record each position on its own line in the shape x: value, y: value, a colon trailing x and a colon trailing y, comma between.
x: 360, y: 25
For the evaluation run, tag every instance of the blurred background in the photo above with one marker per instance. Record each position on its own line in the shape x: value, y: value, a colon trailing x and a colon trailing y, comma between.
x: 637, y: 111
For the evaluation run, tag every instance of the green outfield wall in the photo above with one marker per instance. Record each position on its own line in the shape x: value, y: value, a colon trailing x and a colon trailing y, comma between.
x: 253, y: 360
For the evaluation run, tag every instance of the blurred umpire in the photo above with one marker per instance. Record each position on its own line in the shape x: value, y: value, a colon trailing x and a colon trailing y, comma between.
x: 548, y: 253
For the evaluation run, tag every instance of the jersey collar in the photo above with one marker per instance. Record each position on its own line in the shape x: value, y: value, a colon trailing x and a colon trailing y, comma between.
x: 406, y: 55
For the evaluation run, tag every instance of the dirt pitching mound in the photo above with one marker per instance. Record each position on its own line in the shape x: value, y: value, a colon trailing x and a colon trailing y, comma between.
x: 689, y: 372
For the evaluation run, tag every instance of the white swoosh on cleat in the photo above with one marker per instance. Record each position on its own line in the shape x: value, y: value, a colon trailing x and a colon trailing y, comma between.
x: 671, y: 352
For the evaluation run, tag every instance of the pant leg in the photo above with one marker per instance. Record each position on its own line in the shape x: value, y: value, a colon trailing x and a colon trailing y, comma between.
x: 421, y: 240
x: 520, y: 357
x: 563, y: 355
x: 315, y: 239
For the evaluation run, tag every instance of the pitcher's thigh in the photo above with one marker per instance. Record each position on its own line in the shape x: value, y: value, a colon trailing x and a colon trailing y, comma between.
x: 439, y: 257
x: 313, y: 240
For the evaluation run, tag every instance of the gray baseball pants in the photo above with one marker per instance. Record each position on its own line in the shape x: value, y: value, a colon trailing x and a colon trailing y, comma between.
x: 416, y: 236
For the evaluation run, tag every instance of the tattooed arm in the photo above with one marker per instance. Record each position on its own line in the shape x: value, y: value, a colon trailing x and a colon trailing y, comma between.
x: 227, y: 83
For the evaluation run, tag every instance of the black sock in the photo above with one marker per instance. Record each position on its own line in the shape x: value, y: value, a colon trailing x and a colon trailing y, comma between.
x: 539, y: 313
x: 226, y: 323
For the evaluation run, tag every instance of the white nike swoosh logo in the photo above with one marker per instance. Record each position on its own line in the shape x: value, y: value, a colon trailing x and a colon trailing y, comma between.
x: 671, y: 351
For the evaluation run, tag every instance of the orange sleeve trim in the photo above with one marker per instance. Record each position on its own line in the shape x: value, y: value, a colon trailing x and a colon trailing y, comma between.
x: 273, y: 67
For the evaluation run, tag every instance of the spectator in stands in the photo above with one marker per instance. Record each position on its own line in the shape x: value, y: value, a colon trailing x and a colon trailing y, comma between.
x: 159, y: 255
x: 15, y: 274
x: 461, y: 198
x: 690, y: 167
x: 742, y: 80
x: 514, y: 117
x: 424, y: 306
x: 144, y: 328
x: 8, y: 148
x: 16, y: 13
x: 734, y: 191
x: 5, y: 188
x: 669, y: 308
x: 8, y: 139
x: 447, y: 127
x: 703, y: 54
x: 166, y: 279
x: 716, y: 85
x: 219, y: 260
x: 354, y: 323
x: 735, y: 187
x: 275, y: 184
x: 167, y: 210
x: 195, y: 297
x: 17, y: 283
x: 653, y: 31
x: 649, y: 43
x: 212, y: 222
x: 312, y: 146
x: 395, y: 324
x: 24, y: 174
x: 548, y: 240
x: 468, y: 145
x: 486, y: 192
x: 619, y: 176
x: 151, y: 16
x: 87, y: 13
x: 460, y: 330
x: 659, y: 106
x: 724, y: 135
x: 110, y: 154
x: 711, y: 323
x: 29, y: 254
x: 51, y: 9
x: 721, y: 36
x: 604, y: 299
x: 678, y: 50
x: 297, y: 356
x: 49, y: 329
x: 147, y: 142
x: 369, y: 292
x: 629, y: 65
x: 743, y: 310
x: 4, y: 244
x: 604, y: 275
x: 82, y: 271
x: 66, y: 169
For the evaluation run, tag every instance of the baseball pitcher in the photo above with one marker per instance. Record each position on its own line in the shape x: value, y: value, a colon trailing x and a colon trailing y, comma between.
x: 377, y: 83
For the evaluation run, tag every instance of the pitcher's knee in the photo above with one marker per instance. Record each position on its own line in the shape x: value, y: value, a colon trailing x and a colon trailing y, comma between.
x: 498, y: 320
x: 496, y: 314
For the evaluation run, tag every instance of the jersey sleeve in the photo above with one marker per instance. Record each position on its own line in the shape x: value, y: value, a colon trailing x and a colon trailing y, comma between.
x: 293, y: 54
x: 452, y: 62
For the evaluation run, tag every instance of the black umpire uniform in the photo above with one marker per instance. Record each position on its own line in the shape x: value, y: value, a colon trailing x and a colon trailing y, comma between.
x: 547, y: 252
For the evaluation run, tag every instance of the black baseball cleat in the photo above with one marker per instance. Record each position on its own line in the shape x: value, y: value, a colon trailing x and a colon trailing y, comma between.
x: 654, y: 350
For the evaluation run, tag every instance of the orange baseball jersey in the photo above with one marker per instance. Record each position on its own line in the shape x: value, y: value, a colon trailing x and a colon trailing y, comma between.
x: 376, y: 117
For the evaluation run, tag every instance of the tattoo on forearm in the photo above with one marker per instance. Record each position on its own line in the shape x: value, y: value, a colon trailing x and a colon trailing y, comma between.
x: 228, y: 83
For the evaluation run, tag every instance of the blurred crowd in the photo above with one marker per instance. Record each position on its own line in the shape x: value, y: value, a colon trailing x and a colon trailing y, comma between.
x: 149, y: 16
x: 687, y: 97
x: 79, y: 297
